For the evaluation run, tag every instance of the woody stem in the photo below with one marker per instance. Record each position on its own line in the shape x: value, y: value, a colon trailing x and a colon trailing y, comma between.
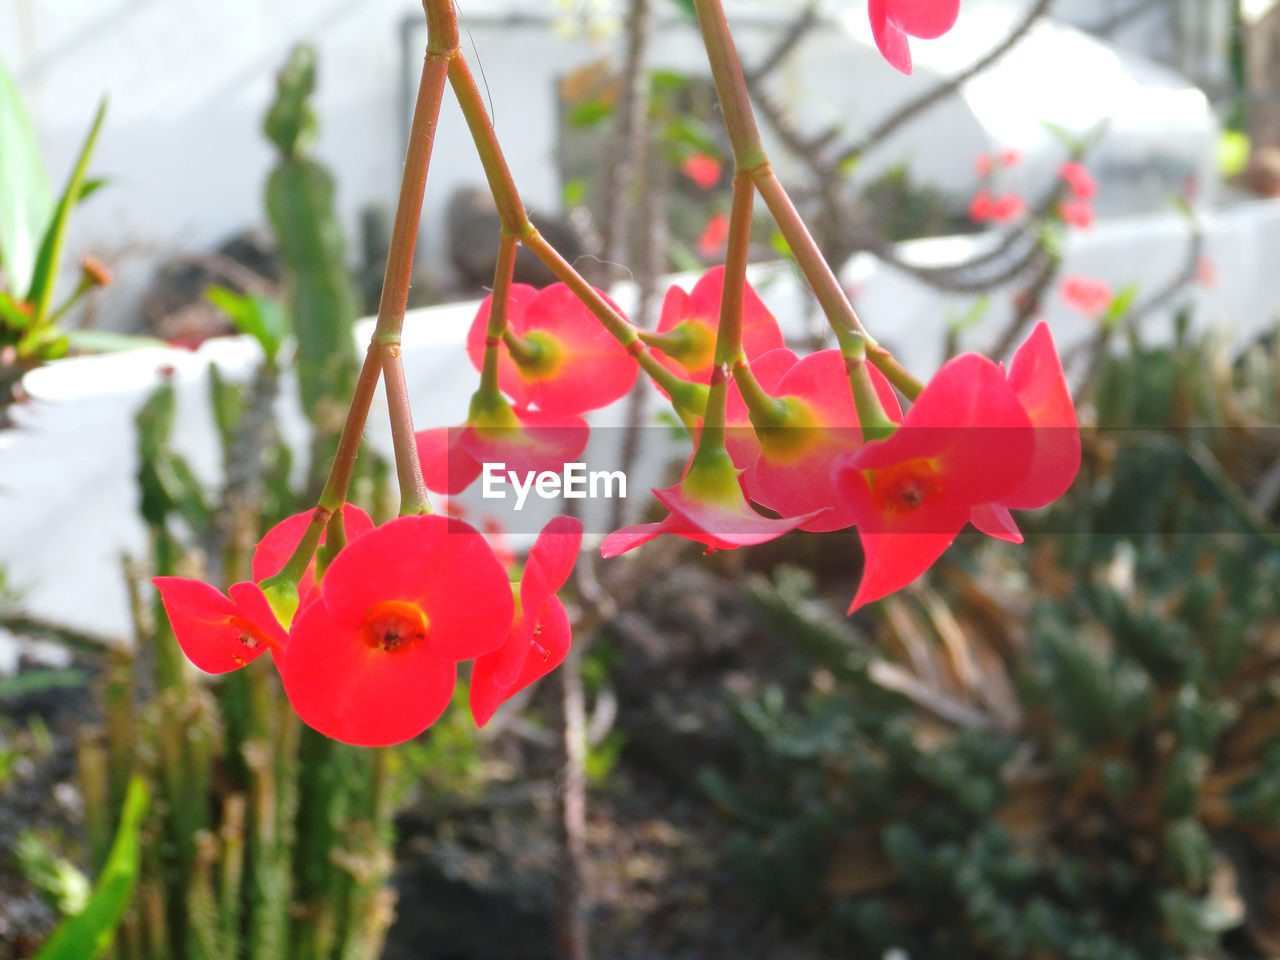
x: 750, y: 157
x: 384, y: 346
x: 515, y: 222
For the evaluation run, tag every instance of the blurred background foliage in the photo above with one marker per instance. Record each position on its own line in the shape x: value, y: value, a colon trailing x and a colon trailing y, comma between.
x: 1067, y: 750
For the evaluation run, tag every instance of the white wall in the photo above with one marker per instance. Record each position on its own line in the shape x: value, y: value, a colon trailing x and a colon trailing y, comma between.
x: 189, y: 81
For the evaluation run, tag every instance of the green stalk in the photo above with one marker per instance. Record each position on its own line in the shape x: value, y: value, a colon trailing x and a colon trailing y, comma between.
x: 498, y: 331
x: 728, y: 349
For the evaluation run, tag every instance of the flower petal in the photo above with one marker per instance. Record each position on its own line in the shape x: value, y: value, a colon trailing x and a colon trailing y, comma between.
x: 350, y: 691
x: 889, y: 37
x: 925, y: 19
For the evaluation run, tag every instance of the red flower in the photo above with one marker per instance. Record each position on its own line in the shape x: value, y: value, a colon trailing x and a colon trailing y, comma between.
x: 982, y: 207
x: 568, y: 362
x: 713, y: 236
x: 984, y: 164
x: 892, y: 21
x: 1082, y: 184
x: 1091, y: 297
x: 986, y: 206
x: 218, y: 633
x: 1008, y: 207
x: 687, y: 328
x: 525, y: 440
x: 1009, y: 157
x: 539, y: 638
x: 1077, y: 213
x: 793, y: 473
x: 1206, y: 273
x: 373, y: 660
x: 707, y: 506
x: 1037, y: 380
x: 703, y: 169
x: 966, y: 441
x: 278, y: 544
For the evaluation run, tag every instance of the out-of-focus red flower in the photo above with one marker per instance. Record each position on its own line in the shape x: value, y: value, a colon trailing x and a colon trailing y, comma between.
x: 1081, y: 181
x: 713, y: 236
x: 982, y: 207
x: 373, y: 660
x: 1077, y: 213
x: 1091, y: 297
x: 686, y: 335
x: 525, y: 440
x: 910, y: 494
x: 539, y: 638
x: 1206, y: 273
x: 570, y: 363
x: 984, y: 164
x: 893, y: 21
x: 278, y: 544
x: 219, y: 633
x: 703, y: 169
x: 793, y: 473
x: 1037, y: 380
x: 1009, y: 157
x: 986, y: 206
x: 707, y: 506
x: 1008, y: 207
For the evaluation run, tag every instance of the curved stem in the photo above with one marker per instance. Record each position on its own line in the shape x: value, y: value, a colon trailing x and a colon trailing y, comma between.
x: 442, y: 46
x: 688, y: 397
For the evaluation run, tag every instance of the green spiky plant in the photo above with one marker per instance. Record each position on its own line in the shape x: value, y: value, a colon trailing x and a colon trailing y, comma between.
x: 1075, y: 760
x: 266, y: 841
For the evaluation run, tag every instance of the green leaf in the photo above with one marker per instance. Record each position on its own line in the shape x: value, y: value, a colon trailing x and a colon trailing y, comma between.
x: 46, y: 270
x: 106, y: 341
x: 90, y: 187
x: 1233, y: 153
x: 260, y: 317
x: 1120, y: 305
x: 88, y: 935
x: 589, y: 113
x: 25, y: 198
x: 12, y: 315
x: 686, y: 7
x: 574, y: 193
x: 971, y: 317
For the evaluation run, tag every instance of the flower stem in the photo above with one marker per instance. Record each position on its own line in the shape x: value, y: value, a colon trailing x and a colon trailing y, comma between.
x: 413, y: 491
x: 729, y: 330
x: 497, y: 329
x: 384, y: 347
x: 687, y: 397
x: 750, y: 157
